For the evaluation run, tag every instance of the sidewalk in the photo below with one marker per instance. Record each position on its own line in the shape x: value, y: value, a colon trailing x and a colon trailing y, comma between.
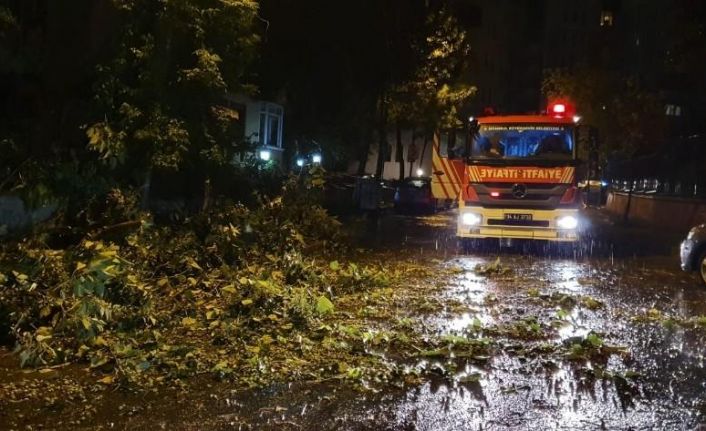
x: 630, y: 239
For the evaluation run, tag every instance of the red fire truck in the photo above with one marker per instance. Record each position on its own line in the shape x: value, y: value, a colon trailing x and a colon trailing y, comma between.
x: 514, y: 177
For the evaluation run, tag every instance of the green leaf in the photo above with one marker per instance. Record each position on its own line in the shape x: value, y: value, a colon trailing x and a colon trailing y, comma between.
x: 221, y: 366
x: 188, y: 321
x: 354, y: 373
x: 98, y: 361
x: 631, y: 374
x: 41, y: 338
x: 334, y: 265
x: 594, y: 339
x: 230, y: 289
x: 324, y: 305
x: 107, y: 380
x: 435, y: 353
x: 192, y: 263
x: 591, y: 303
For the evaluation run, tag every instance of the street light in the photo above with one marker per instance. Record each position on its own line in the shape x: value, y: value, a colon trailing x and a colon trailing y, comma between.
x: 265, y: 154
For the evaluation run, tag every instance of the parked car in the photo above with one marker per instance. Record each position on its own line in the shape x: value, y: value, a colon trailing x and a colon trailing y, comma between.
x: 693, y: 252
x: 414, y: 195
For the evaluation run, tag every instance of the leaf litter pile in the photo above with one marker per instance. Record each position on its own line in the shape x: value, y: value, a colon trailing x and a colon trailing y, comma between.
x: 250, y: 296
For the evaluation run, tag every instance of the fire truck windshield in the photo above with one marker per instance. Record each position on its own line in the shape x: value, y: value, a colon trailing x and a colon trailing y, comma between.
x: 523, y: 141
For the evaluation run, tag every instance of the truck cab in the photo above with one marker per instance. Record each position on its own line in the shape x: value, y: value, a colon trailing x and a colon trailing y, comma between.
x: 518, y: 180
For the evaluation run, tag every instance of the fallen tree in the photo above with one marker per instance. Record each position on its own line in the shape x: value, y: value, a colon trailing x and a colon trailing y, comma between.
x: 144, y: 303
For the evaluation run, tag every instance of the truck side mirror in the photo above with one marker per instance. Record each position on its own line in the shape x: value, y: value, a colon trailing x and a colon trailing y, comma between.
x: 473, y: 131
x: 473, y: 128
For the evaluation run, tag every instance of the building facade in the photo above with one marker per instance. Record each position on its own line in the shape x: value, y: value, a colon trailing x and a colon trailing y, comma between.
x: 262, y: 126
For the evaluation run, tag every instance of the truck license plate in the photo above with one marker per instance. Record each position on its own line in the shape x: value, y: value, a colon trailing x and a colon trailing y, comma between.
x: 518, y: 217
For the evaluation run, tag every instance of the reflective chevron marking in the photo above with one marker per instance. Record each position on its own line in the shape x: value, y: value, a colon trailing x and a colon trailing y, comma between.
x: 448, y: 184
x: 521, y: 174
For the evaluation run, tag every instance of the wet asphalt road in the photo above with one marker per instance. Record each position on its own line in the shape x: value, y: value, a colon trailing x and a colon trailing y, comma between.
x: 655, y: 381
x: 648, y: 313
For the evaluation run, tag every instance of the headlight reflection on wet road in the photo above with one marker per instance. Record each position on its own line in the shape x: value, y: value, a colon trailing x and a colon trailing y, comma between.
x: 526, y: 390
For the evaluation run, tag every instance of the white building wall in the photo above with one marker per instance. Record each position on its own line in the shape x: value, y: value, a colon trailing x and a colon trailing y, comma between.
x: 252, y: 120
x: 253, y: 109
x: 391, y: 170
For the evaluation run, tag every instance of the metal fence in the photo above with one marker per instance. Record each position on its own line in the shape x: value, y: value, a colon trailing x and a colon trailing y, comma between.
x: 679, y: 170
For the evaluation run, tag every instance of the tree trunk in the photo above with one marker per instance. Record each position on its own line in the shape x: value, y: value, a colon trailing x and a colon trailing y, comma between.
x: 206, y: 195
x: 424, y: 149
x: 382, y: 139
x: 411, y: 162
x: 146, y: 186
x: 399, y: 150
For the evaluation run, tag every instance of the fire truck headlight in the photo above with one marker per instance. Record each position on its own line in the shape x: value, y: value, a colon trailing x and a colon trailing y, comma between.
x: 470, y: 219
x: 567, y: 222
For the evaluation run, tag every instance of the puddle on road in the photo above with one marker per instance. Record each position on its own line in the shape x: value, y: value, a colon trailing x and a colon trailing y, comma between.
x: 468, y: 320
x: 635, y: 389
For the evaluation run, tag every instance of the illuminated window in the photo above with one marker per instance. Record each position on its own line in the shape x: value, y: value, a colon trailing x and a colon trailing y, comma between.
x: 271, y: 125
x: 606, y: 18
x: 672, y: 110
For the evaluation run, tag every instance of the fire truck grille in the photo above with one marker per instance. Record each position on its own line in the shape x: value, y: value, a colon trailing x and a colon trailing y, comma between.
x: 537, y: 186
x: 529, y: 223
x: 529, y: 197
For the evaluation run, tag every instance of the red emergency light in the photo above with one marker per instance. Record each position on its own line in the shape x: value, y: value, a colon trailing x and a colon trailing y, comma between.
x: 559, y: 109
x: 495, y: 194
